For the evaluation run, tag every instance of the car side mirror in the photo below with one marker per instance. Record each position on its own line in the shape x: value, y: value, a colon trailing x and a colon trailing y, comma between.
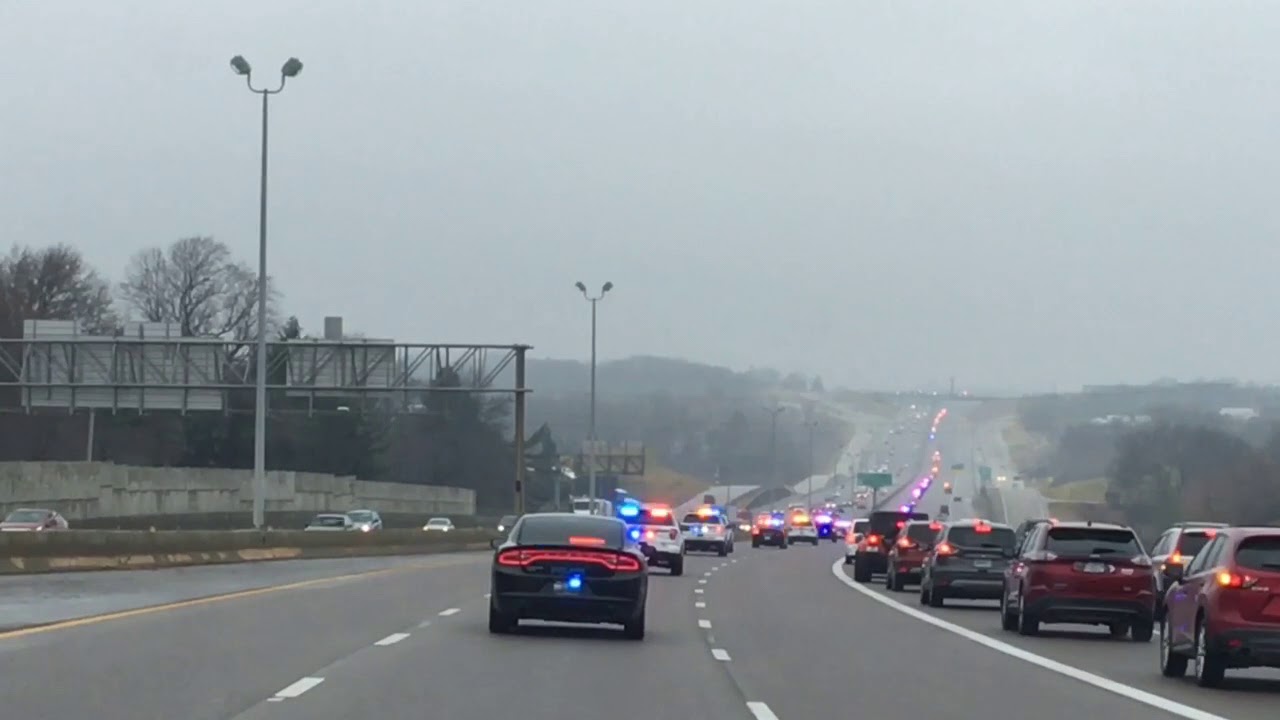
x: 495, y: 542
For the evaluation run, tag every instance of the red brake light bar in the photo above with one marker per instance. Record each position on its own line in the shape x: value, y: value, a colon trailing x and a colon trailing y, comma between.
x: 982, y: 527
x: 935, y: 526
x: 524, y: 558
x: 586, y: 540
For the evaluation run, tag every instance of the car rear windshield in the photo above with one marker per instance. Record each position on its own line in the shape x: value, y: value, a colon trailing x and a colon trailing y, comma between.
x: 696, y: 519
x: 860, y: 526
x: 577, y: 530
x: 646, y: 517
x: 1077, y: 542
x: 886, y: 523
x: 1260, y: 553
x: 1190, y: 543
x: 965, y: 536
x: 921, y: 532
x: 329, y: 521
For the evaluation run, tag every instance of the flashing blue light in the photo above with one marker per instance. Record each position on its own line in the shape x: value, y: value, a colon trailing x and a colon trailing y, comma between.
x: 904, y: 508
x: 823, y: 519
x: 635, y: 534
x: 574, y: 582
x: 775, y: 521
x: 628, y: 510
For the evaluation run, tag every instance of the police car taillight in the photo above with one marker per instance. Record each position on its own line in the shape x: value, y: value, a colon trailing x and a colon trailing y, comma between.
x: 673, y: 533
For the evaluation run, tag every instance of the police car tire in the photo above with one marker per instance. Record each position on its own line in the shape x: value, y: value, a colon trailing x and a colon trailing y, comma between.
x: 500, y: 624
x: 677, y: 566
x: 848, y: 559
x: 634, y: 630
x: 724, y: 550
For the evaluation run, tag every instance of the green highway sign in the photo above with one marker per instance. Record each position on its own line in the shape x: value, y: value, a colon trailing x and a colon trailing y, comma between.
x: 875, y: 480
x: 984, y: 473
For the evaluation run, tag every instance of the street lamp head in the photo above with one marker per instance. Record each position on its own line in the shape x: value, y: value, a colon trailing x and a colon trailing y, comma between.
x: 291, y: 67
x: 580, y: 286
x: 607, y: 287
x: 240, y: 65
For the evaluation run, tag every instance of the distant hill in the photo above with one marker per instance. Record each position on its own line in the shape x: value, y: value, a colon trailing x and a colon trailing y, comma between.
x: 642, y: 375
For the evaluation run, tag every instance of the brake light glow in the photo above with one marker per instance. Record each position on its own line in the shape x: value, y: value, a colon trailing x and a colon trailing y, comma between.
x: 1228, y: 579
x: 800, y: 518
x: 935, y: 526
x: 705, y: 512
x: 586, y: 540
x: 755, y: 531
x: 648, y: 534
x: 902, y: 523
x: 516, y: 557
x: 659, y: 512
x: 905, y: 543
x: 1176, y: 558
x: 1211, y: 533
x: 946, y: 548
x: 873, y: 539
x: 982, y: 527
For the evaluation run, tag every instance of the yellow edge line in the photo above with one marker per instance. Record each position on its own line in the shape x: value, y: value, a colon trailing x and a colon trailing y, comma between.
x: 194, y: 602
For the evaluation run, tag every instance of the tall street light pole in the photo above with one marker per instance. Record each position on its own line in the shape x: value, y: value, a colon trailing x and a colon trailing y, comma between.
x: 773, y: 411
x: 810, y: 425
x: 291, y: 68
x: 591, y: 432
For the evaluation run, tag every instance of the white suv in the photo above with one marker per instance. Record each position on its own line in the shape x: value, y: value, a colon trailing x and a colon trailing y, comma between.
x: 655, y: 529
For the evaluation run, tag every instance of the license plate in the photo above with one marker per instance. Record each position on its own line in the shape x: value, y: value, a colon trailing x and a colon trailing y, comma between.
x: 982, y: 563
x: 1095, y: 567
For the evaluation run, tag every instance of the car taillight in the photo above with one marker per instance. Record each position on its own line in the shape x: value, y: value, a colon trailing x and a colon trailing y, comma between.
x: 673, y: 533
x: 755, y: 531
x: 1175, y: 559
x: 1228, y: 579
x: 946, y: 548
x: 648, y: 534
x: 873, y: 539
x: 511, y: 558
x: 626, y: 563
x: 905, y: 543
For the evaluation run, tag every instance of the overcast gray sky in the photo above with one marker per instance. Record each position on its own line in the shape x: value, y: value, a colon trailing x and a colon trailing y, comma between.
x: 1020, y: 194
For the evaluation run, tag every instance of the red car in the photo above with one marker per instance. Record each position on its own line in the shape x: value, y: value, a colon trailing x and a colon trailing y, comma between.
x: 1080, y: 572
x: 908, y: 553
x: 1223, y: 610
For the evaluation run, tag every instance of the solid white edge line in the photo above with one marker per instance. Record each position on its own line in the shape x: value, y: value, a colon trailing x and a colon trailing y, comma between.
x: 299, y: 687
x: 704, y: 624
x: 719, y: 654
x: 1075, y: 673
x: 761, y: 711
x: 450, y: 611
x: 391, y: 639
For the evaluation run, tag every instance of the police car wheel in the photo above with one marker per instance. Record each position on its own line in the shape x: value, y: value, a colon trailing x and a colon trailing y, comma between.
x: 677, y: 565
x: 634, y: 630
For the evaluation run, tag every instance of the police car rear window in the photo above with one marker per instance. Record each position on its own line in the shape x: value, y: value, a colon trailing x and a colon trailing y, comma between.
x: 886, y: 523
x: 579, y: 530
x: 646, y: 517
x: 696, y: 519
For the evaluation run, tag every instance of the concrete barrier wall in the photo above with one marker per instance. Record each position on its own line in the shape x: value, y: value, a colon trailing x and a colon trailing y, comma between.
x: 91, y: 490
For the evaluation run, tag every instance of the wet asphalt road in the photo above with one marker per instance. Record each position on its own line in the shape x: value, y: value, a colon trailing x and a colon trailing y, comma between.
x: 764, y: 633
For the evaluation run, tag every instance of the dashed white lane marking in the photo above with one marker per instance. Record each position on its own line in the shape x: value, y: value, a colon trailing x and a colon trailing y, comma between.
x: 450, y: 611
x: 698, y: 590
x: 719, y: 654
x: 299, y: 687
x: 391, y: 639
x: 699, y: 604
x: 702, y: 581
x: 424, y: 623
x: 486, y: 596
x: 761, y: 711
x: 733, y: 561
x: 704, y: 624
x: 1133, y: 693
x: 706, y: 574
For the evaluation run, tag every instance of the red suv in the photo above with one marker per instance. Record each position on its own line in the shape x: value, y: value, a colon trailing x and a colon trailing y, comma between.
x: 1223, y: 610
x: 1080, y: 572
x: 908, y: 552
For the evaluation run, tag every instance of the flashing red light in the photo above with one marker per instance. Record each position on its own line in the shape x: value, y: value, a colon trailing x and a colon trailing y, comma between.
x: 1211, y: 533
x: 901, y: 524
x: 755, y: 531
x: 982, y: 527
x: 946, y: 548
x: 586, y: 540
x: 905, y: 543
x: 659, y: 512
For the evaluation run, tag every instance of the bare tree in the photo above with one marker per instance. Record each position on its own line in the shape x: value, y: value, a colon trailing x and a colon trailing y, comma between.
x: 197, y: 284
x: 53, y: 283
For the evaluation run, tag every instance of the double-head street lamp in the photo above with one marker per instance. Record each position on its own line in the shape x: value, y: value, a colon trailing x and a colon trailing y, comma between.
x: 291, y: 68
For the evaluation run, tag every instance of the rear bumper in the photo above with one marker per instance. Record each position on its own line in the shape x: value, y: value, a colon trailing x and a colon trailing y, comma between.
x: 968, y: 584
x: 662, y: 555
x: 906, y: 569
x: 1054, y: 609
x: 769, y: 537
x: 876, y: 561
x: 1248, y: 647
x: 535, y: 606
x: 704, y: 544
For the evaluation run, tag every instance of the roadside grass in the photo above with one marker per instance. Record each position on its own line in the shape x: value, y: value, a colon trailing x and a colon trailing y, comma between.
x: 1089, y: 491
x: 662, y: 484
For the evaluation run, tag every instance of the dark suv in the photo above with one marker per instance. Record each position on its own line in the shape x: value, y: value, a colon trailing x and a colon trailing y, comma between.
x: 1080, y: 572
x: 872, y: 554
x: 908, y: 553
x: 967, y: 563
x: 1223, y: 611
x: 1175, y: 549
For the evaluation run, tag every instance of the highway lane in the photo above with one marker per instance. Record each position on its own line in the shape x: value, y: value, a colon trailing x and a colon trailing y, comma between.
x: 213, y: 659
x: 457, y: 670
x: 809, y: 647
x: 1255, y: 692
x: 27, y: 600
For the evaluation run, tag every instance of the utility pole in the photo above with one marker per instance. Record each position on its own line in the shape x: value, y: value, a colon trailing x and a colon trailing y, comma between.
x: 773, y: 440
x: 810, y: 425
